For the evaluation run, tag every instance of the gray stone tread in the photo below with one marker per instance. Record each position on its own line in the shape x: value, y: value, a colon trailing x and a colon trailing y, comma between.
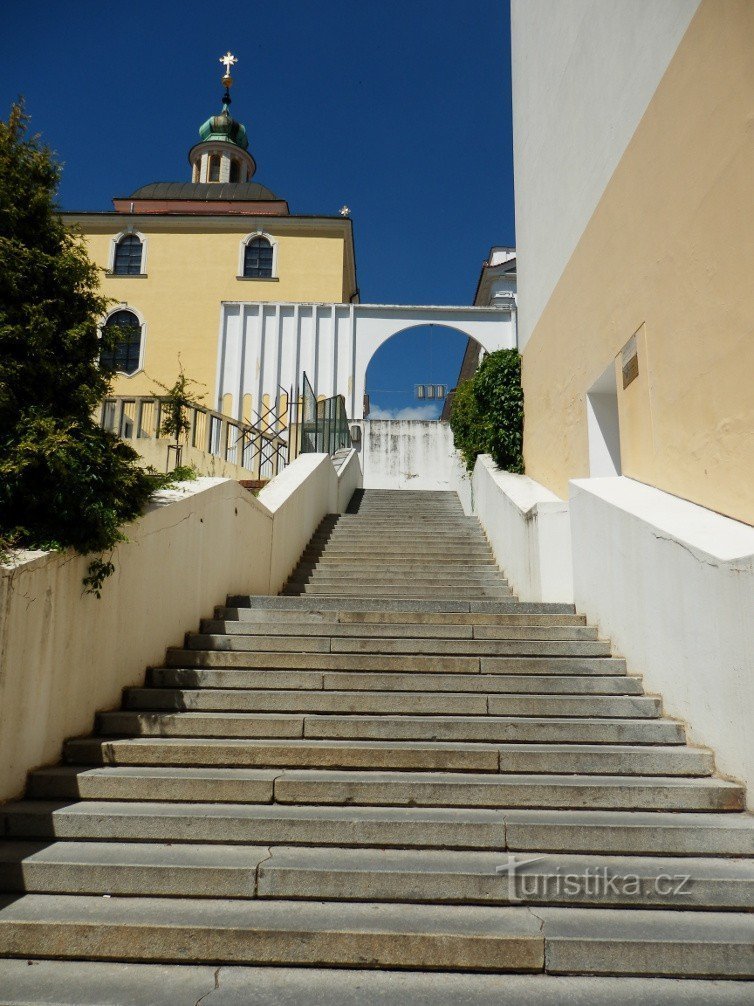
x: 94, y: 983
x: 658, y: 832
x: 375, y: 754
x: 530, y: 684
x: 527, y: 729
x: 270, y: 932
x: 349, y: 874
x: 281, y: 616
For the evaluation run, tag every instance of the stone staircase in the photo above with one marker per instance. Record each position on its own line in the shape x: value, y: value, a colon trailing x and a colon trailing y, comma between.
x: 395, y: 765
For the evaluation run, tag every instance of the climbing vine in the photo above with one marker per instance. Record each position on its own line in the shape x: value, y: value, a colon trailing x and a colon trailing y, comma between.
x: 487, y: 413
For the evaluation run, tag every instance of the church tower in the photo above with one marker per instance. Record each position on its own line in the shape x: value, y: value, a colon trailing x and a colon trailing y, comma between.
x: 222, y: 154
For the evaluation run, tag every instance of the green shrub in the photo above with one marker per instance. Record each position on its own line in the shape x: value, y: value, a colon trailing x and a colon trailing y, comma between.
x: 487, y: 414
x: 64, y: 482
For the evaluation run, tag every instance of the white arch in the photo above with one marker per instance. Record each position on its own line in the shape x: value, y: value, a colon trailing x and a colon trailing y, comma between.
x: 242, y: 251
x: 492, y: 328
x: 265, y: 346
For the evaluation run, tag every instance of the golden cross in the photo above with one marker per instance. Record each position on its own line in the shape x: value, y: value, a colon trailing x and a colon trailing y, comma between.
x: 228, y: 60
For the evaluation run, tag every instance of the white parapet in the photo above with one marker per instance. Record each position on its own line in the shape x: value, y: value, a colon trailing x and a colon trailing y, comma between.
x: 672, y: 584
x: 528, y: 529
x: 64, y: 654
x: 412, y: 454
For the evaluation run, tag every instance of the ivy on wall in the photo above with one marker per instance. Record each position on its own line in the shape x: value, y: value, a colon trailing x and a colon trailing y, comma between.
x: 487, y: 413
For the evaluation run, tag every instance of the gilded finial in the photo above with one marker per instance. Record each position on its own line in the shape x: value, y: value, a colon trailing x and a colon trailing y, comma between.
x: 228, y: 60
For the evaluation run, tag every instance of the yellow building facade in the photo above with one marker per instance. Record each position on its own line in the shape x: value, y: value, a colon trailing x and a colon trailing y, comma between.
x: 635, y: 232
x: 172, y: 253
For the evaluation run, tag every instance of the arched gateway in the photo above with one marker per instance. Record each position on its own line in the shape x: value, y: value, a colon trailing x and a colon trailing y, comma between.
x: 264, y: 348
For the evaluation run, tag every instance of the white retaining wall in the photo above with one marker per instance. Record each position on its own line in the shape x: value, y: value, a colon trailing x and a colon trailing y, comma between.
x: 528, y: 529
x: 672, y: 585
x: 412, y: 454
x: 64, y: 655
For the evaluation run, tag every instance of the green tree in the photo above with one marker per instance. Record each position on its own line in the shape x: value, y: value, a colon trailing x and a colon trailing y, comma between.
x: 487, y: 414
x: 177, y: 401
x: 64, y: 482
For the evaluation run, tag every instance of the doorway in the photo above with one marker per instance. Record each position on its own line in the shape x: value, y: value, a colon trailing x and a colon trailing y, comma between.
x: 603, y: 425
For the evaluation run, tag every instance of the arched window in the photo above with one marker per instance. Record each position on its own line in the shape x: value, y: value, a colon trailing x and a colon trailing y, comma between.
x: 235, y: 171
x: 127, y: 258
x: 125, y: 352
x: 214, y: 168
x: 257, y: 258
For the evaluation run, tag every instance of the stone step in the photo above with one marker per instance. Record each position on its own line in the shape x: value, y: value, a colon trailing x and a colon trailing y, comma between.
x: 395, y: 533
x: 572, y: 792
x: 131, y: 869
x: 266, y: 932
x: 304, y: 786
x: 347, y: 519
x: 379, y: 644
x: 577, y: 831
x: 525, y: 730
x: 372, y: 755
x: 370, y: 555
x: 437, y: 618
x: 398, y: 563
x: 205, y: 785
x: 370, y: 565
x: 174, y: 677
x: 639, y: 942
x: 418, y: 579
x: 90, y: 983
x: 472, y: 877
x: 392, y: 630
x: 440, y: 664
x: 382, y: 605
x: 416, y: 755
x: 390, y: 702
x: 419, y: 575
x: 210, y: 870
x: 403, y: 590
x: 388, y: 936
x: 384, y: 546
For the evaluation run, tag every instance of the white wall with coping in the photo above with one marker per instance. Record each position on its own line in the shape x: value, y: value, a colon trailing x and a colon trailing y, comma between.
x: 584, y: 72
x: 529, y: 530
x: 411, y: 454
x: 64, y: 655
x: 349, y: 480
x: 672, y: 584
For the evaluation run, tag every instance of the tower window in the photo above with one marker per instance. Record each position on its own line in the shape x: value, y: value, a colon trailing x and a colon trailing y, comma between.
x: 124, y: 333
x: 235, y: 171
x: 257, y: 259
x: 127, y: 259
x: 214, y: 168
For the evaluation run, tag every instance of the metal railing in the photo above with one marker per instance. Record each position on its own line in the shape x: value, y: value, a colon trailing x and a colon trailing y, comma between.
x: 317, y: 427
x: 261, y: 452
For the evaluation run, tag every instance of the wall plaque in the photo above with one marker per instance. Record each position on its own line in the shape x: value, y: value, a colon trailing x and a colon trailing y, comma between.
x: 630, y: 362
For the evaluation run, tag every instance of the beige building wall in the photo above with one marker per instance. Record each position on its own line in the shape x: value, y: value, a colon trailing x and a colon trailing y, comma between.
x: 665, y: 255
x: 192, y: 266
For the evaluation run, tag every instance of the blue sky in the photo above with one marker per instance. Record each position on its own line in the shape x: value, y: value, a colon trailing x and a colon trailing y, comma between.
x: 399, y: 109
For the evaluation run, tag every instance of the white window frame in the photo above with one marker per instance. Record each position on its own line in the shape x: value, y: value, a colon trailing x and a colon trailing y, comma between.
x: 129, y: 232
x: 242, y: 251
x: 142, y: 323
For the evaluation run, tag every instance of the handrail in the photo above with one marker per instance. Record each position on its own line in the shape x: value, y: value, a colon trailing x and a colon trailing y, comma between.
x: 262, y: 452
